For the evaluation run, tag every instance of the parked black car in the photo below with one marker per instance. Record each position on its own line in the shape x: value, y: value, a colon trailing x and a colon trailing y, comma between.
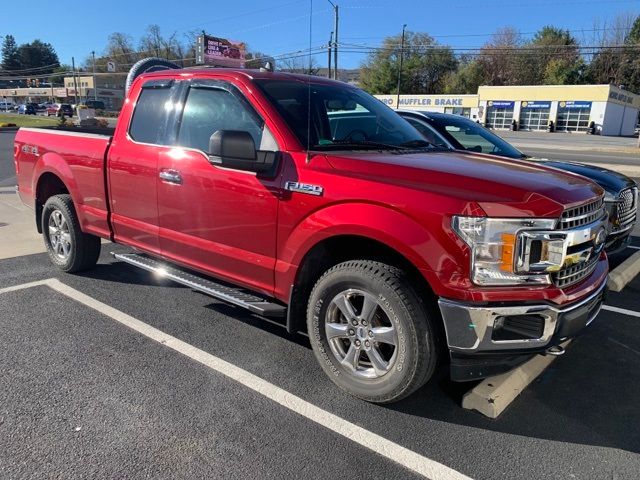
x: 27, y: 109
x: 95, y: 104
x: 66, y: 110
x: 460, y: 133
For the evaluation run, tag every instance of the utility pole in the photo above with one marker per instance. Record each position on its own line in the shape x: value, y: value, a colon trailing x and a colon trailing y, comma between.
x: 335, y: 39
x: 95, y: 86
x: 400, y: 69
x: 75, y: 82
x: 329, y: 57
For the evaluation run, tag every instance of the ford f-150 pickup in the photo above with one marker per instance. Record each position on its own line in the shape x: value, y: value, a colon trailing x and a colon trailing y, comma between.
x: 392, y: 254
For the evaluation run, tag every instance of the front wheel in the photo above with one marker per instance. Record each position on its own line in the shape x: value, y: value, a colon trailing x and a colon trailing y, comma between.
x: 371, y: 332
x: 68, y: 247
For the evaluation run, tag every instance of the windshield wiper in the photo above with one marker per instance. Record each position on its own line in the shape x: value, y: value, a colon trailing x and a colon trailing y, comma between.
x: 418, y: 143
x: 360, y: 144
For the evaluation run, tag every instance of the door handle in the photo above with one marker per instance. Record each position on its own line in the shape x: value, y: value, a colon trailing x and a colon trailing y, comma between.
x: 171, y: 176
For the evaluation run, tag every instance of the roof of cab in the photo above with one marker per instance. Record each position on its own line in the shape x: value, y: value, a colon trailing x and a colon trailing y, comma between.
x: 248, y: 73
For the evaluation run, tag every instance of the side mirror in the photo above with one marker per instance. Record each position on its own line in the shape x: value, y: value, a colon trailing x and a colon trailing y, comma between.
x: 236, y: 149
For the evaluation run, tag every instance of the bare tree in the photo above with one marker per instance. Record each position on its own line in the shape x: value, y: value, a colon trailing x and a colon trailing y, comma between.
x: 306, y: 65
x: 498, y: 57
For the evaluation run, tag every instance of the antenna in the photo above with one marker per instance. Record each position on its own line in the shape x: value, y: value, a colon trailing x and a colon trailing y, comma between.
x: 309, y: 82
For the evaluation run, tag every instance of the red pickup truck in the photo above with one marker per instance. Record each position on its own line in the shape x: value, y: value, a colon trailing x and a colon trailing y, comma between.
x: 391, y: 253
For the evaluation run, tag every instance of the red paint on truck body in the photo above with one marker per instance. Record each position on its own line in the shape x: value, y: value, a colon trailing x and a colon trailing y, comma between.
x: 249, y: 230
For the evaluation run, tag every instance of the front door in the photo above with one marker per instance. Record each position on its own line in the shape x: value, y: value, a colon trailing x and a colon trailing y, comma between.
x: 213, y: 219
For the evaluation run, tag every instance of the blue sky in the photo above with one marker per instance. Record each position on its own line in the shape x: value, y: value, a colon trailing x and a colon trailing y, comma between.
x: 281, y: 26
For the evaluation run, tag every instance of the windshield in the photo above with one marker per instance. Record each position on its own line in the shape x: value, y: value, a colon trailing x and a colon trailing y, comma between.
x: 468, y: 135
x: 339, y: 117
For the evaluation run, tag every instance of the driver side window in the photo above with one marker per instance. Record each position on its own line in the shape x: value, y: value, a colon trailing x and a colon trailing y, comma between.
x: 208, y: 110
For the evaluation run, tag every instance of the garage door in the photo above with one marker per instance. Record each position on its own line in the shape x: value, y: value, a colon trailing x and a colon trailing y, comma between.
x: 573, y: 116
x: 499, y: 114
x: 534, y: 115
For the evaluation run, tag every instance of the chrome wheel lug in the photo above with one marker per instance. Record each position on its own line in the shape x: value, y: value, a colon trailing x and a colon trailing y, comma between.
x: 370, y: 333
x: 364, y: 322
x: 351, y: 332
x: 367, y: 343
x: 357, y: 343
x: 354, y: 323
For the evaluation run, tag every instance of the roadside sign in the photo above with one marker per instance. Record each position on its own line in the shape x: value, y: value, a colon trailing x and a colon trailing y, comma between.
x: 219, y: 52
x: 111, y: 66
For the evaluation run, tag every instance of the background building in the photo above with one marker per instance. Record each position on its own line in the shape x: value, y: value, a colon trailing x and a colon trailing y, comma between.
x: 110, y: 89
x: 572, y: 108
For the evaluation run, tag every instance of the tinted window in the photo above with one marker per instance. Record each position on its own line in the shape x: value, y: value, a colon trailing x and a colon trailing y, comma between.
x: 147, y: 124
x: 427, y: 132
x: 208, y: 110
x: 335, y: 116
x: 468, y: 135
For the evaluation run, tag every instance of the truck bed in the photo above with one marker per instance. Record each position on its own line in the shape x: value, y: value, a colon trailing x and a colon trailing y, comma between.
x: 75, y: 156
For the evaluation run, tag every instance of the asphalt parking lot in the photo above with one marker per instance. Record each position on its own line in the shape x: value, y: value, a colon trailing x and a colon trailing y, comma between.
x: 130, y: 376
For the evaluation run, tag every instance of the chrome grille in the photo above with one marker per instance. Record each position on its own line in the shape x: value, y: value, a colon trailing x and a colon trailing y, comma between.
x: 577, y: 217
x: 582, y: 215
x: 575, y: 273
x: 626, y: 209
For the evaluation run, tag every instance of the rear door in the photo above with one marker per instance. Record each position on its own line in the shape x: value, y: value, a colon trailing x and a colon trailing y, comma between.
x: 214, y: 219
x: 133, y: 167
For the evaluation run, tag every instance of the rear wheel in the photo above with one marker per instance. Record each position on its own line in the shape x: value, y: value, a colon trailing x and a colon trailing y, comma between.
x: 68, y: 247
x: 370, y: 331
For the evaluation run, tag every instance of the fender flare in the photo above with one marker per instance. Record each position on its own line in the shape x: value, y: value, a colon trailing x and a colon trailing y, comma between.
x: 53, y: 163
x: 381, y: 223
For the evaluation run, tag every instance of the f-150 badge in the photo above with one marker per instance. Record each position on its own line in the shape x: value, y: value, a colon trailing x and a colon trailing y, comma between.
x: 307, y: 188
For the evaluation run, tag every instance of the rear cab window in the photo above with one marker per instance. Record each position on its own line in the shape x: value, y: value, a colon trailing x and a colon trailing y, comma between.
x: 150, y: 119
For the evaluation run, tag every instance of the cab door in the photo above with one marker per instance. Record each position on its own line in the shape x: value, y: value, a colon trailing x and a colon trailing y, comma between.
x: 216, y: 220
x: 133, y: 167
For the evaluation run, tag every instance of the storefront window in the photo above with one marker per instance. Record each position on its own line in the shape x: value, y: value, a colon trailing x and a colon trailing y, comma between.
x: 463, y: 112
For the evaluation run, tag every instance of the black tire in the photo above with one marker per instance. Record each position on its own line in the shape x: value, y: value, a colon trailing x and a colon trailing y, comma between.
x: 410, y: 363
x: 83, y: 248
x: 149, y: 64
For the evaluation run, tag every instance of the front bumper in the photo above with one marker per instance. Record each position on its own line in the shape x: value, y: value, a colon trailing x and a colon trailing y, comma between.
x: 501, y: 336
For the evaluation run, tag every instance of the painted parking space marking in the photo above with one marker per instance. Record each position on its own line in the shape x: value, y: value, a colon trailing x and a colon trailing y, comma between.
x: 386, y: 448
x: 634, y: 247
x: 624, y: 311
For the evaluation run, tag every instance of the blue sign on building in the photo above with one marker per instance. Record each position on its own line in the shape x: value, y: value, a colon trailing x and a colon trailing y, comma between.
x: 536, y: 104
x: 500, y: 104
x: 574, y: 104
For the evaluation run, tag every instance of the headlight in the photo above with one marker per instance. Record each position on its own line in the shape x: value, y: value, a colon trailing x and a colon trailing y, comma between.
x: 493, y: 243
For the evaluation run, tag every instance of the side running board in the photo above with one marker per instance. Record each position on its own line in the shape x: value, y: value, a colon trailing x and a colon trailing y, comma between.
x: 233, y: 295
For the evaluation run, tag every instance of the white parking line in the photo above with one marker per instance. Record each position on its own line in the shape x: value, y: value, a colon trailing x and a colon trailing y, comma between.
x: 392, y: 451
x: 624, y: 311
x: 634, y: 247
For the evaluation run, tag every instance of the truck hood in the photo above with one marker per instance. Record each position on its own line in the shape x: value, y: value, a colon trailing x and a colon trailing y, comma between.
x: 501, y: 187
x: 612, y: 182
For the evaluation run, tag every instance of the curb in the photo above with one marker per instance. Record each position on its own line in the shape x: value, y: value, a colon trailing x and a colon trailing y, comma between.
x: 8, y: 129
x: 494, y: 394
x: 624, y: 273
x: 578, y: 148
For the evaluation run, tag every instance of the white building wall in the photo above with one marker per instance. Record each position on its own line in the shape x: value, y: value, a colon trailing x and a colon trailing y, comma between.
x: 611, y: 120
x: 629, y: 121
